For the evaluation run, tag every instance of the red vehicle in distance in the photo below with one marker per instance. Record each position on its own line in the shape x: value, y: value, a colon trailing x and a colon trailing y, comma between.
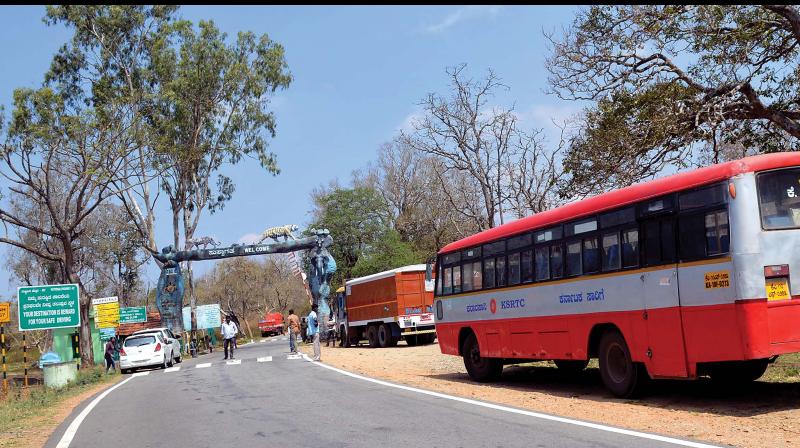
x: 272, y: 324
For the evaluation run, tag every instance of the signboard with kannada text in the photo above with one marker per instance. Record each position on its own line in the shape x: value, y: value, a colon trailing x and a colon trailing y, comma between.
x: 49, y: 306
x: 208, y: 316
x: 106, y: 312
x: 132, y: 315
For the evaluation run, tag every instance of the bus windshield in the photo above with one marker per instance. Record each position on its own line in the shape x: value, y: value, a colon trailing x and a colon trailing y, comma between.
x: 779, y: 199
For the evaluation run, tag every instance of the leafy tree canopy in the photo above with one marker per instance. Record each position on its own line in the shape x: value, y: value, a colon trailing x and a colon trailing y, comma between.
x: 674, y: 84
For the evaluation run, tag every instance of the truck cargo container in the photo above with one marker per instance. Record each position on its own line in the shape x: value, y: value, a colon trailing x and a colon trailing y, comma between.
x: 272, y: 324
x: 386, y: 307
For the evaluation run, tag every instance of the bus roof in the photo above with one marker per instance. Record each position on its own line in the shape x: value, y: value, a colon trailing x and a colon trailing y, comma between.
x: 630, y: 195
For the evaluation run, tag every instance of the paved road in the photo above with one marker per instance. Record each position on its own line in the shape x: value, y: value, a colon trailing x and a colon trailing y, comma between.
x: 292, y: 402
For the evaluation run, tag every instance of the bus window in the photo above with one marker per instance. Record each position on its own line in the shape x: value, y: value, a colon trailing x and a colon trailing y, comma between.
x: 466, y: 279
x: 520, y: 241
x: 717, y: 237
x: 477, y: 277
x: 591, y: 258
x: 630, y: 248
x: 542, y: 263
x: 610, y: 251
x: 526, y: 267
x: 439, y: 278
x: 574, y: 258
x: 448, y: 286
x: 652, y: 243
x: 667, y: 240
x: 556, y: 262
x: 488, y: 273
x: 513, y: 269
x: 548, y: 235
x: 500, y: 269
x: 779, y: 199
x: 576, y: 228
x: 456, y: 279
x: 618, y: 217
x: 703, y: 197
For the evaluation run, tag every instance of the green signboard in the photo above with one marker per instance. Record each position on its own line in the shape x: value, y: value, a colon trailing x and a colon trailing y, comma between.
x: 46, y: 307
x: 132, y: 315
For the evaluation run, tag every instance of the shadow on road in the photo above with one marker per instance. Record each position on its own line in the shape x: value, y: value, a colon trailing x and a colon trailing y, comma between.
x: 697, y: 396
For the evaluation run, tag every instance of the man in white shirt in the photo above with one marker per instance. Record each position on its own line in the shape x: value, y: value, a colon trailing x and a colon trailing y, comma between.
x: 229, y: 331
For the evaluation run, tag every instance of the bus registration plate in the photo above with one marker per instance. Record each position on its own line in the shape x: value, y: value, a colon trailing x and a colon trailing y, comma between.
x: 777, y: 289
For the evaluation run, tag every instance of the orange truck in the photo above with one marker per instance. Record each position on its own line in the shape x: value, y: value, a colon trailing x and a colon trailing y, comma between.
x: 386, y: 307
x: 272, y: 324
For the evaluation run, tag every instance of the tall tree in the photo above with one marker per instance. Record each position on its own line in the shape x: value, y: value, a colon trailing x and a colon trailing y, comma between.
x: 670, y: 82
x: 212, y: 109
x: 482, y: 143
x: 58, y: 159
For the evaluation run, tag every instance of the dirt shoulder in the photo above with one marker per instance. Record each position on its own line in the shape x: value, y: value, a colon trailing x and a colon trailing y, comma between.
x: 765, y: 414
x: 35, y: 430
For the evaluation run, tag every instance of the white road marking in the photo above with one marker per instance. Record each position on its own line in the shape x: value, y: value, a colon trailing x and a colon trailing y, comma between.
x: 263, y: 340
x: 172, y: 369
x: 233, y: 362
x: 202, y: 366
x: 141, y: 374
x: 498, y: 407
x: 293, y: 357
x: 264, y: 359
x: 69, y: 434
x: 284, y: 339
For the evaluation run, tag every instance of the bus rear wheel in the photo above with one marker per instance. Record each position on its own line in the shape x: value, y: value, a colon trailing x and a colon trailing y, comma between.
x: 480, y: 369
x: 344, y: 337
x: 372, y: 336
x: 620, y: 374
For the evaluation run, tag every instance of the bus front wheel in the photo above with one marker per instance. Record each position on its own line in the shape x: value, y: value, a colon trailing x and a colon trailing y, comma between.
x: 620, y: 374
x: 480, y: 369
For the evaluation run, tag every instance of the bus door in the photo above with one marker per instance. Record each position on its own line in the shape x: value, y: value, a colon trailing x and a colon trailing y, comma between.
x: 665, y: 354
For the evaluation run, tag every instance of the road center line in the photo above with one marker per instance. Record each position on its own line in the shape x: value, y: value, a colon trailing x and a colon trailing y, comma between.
x: 172, y: 369
x: 69, y: 434
x: 498, y: 407
x: 202, y: 366
x: 264, y: 359
x: 234, y: 362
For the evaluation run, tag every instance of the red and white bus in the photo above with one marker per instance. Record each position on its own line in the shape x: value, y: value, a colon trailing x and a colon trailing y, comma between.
x: 677, y: 277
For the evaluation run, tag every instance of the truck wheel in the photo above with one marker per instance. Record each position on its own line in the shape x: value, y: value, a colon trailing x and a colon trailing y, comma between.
x: 372, y: 336
x: 571, y: 366
x: 480, y: 369
x: 345, y: 338
x: 384, y: 335
x: 428, y: 338
x: 620, y: 374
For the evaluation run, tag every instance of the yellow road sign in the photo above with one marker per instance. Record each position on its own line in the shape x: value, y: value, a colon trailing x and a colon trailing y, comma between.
x: 5, y: 312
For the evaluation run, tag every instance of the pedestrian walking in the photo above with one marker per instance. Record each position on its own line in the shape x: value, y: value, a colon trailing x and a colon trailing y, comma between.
x: 331, y: 335
x: 229, y: 330
x: 238, y: 327
x: 313, y: 331
x: 294, y: 331
x: 110, y: 347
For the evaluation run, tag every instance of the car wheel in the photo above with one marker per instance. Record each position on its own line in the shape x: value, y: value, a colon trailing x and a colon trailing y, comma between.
x: 124, y: 371
x: 480, y: 369
x: 179, y: 359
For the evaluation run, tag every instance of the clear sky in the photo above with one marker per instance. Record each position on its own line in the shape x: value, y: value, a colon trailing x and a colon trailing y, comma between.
x: 359, y: 73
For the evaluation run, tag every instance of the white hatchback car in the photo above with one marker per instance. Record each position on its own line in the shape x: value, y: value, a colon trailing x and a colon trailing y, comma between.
x: 173, y: 342
x: 144, y: 350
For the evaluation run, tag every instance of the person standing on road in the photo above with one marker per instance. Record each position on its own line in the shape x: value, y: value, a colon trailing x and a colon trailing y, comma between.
x: 331, y: 335
x: 229, y: 330
x: 110, y: 346
x: 294, y: 331
x: 313, y: 331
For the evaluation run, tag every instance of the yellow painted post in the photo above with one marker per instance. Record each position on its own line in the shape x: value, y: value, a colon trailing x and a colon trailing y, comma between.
x: 25, y: 359
x: 5, y: 369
